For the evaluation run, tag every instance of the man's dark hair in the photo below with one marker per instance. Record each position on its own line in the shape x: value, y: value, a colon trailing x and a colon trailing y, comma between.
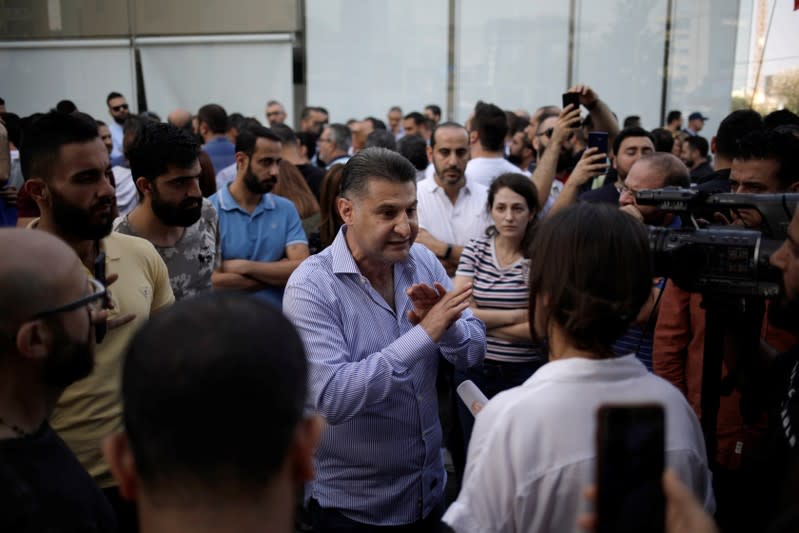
x: 414, y: 149
x: 698, y: 143
x: 672, y: 116
x: 341, y: 136
x: 594, y: 306
x: 781, y: 117
x: 381, y: 139
x: 306, y: 112
x: 769, y: 144
x: 491, y: 125
x: 308, y: 140
x: 2, y: 101
x: 516, y: 123
x: 215, y: 117
x: 544, y: 116
x: 395, y: 108
x: 436, y: 110
x: 235, y: 120
x: 733, y: 128
x: 418, y: 118
x: 43, y: 139
x: 13, y: 127
x: 375, y: 163
x: 322, y: 110
x: 631, y: 121
x: 249, y: 136
x: 286, y: 134
x: 111, y: 96
x: 158, y: 146
x: 377, y: 124
x: 190, y: 393
x: 448, y: 124
x: 66, y: 106
x: 626, y: 133
x: 664, y: 140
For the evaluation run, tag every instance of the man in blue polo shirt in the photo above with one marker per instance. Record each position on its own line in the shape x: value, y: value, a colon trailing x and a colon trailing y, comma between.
x: 262, y: 236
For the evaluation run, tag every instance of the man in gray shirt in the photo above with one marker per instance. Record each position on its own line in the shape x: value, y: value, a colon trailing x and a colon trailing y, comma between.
x: 172, y: 214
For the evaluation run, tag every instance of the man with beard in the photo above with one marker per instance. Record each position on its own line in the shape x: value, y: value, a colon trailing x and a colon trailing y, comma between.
x: 451, y: 211
x: 45, y: 345
x: 763, y: 162
x: 489, y: 126
x: 694, y: 154
x: 261, y: 233
x: 172, y: 214
x: 119, y: 111
x: 630, y: 145
x: 64, y: 163
x: 522, y: 153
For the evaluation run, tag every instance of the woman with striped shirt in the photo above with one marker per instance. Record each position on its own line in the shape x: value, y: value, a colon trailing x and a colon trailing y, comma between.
x: 497, y: 266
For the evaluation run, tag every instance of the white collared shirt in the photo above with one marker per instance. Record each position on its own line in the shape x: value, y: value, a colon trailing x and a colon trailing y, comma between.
x: 454, y: 224
x: 533, y: 447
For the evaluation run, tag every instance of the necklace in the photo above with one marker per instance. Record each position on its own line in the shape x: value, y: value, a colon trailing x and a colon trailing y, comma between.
x: 16, y: 429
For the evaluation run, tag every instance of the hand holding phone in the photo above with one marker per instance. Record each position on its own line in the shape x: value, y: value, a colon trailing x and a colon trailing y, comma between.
x: 630, y: 462
x: 574, y: 100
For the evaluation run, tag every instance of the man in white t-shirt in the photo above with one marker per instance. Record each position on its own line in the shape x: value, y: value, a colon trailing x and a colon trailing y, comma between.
x: 487, y: 142
x: 451, y: 210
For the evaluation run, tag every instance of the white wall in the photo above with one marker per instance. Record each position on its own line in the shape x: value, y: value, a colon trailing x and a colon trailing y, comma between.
x: 240, y: 73
x: 35, y: 75
x: 621, y: 57
x: 513, y: 53
x: 366, y: 56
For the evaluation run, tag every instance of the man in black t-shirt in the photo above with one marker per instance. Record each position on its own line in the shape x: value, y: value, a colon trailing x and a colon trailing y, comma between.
x: 47, y: 309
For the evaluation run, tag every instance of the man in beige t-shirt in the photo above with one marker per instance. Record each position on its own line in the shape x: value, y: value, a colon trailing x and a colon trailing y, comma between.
x: 64, y: 163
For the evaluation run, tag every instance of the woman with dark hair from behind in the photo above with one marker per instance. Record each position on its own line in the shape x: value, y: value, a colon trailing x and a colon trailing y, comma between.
x: 292, y: 185
x: 497, y: 266
x: 533, y: 447
x: 207, y: 177
x: 329, y: 220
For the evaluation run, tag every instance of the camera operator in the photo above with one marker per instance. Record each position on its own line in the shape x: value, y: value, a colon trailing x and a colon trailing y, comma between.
x: 765, y: 162
x: 653, y: 171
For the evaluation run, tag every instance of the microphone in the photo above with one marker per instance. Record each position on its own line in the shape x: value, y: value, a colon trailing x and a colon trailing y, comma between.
x: 472, y: 396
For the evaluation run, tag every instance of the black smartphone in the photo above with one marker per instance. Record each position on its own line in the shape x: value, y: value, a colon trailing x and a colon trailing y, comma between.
x: 100, y: 329
x: 571, y: 98
x: 598, y: 140
x: 630, y: 461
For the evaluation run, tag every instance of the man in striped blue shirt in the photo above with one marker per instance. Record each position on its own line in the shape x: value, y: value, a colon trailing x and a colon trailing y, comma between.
x: 375, y: 311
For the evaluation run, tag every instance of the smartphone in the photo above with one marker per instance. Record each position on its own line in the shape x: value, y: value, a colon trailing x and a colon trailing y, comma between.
x: 99, y: 274
x: 630, y: 462
x: 571, y: 98
x: 598, y: 140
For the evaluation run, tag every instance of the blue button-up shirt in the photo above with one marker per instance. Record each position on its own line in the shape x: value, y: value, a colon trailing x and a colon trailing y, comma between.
x: 262, y: 235
x: 372, y: 377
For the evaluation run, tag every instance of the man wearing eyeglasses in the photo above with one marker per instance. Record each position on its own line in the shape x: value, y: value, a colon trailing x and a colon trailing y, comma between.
x: 119, y: 111
x: 46, y: 344
x: 64, y: 163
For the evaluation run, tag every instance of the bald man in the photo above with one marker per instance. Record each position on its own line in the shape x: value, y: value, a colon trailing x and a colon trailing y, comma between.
x: 46, y: 343
x: 180, y: 118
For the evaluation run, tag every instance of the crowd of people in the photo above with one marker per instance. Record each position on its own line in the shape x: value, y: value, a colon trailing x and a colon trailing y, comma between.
x: 218, y: 324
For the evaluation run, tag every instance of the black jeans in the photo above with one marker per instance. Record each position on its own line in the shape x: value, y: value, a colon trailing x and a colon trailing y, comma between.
x: 332, y: 521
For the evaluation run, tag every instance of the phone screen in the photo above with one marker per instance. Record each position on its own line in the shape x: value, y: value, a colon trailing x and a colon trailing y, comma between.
x: 571, y: 98
x: 598, y: 140
x: 630, y: 462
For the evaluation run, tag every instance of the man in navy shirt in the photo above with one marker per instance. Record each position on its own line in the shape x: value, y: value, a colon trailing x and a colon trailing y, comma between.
x: 212, y: 122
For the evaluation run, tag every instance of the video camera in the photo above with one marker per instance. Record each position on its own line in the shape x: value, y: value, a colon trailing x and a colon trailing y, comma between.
x: 719, y: 260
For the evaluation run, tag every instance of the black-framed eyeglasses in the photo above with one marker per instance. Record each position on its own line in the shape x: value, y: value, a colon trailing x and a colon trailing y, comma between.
x: 95, y: 301
x: 120, y: 107
x: 547, y: 132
